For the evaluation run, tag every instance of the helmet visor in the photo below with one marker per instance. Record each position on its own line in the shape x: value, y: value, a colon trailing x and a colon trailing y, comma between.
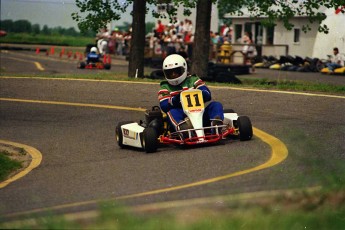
x: 173, y: 73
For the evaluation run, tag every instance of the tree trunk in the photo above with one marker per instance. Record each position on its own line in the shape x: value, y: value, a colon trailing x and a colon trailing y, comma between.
x: 136, y: 53
x: 201, y: 38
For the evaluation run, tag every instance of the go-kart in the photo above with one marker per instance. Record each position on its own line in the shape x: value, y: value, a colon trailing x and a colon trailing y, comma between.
x: 155, y: 130
x: 105, y: 64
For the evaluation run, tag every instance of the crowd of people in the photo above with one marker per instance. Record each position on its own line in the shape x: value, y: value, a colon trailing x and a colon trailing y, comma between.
x: 114, y: 42
x: 178, y: 38
x: 166, y: 39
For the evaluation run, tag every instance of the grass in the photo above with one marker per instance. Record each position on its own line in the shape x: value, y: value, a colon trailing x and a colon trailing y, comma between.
x: 293, y: 85
x: 25, y: 38
x: 7, y: 165
x: 287, y: 210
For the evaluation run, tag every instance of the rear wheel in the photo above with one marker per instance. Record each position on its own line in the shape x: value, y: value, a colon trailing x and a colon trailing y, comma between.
x: 245, y: 128
x: 107, y: 66
x: 149, y: 140
x: 119, y: 134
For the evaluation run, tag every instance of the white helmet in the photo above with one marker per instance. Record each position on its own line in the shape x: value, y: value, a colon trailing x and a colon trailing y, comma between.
x: 175, y: 69
x: 93, y: 49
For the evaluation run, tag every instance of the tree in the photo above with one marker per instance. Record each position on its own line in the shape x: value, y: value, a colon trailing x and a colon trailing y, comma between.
x: 45, y: 30
x: 97, y: 13
x: 202, y: 38
x: 136, y: 57
x: 22, y: 26
x: 36, y: 29
x: 6, y: 25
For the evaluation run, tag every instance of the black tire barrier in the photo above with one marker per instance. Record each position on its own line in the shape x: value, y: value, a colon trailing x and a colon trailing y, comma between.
x: 156, y: 63
x: 227, y: 77
x: 157, y: 74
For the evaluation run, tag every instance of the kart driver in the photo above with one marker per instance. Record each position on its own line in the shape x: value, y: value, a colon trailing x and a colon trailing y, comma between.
x: 177, y: 80
x: 93, y: 56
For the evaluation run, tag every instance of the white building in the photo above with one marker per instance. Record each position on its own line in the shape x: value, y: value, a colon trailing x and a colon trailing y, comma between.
x: 280, y: 41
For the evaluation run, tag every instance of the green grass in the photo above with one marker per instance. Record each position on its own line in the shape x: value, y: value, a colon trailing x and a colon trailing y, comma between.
x: 7, y: 165
x: 293, y: 210
x: 293, y: 85
x: 24, y: 38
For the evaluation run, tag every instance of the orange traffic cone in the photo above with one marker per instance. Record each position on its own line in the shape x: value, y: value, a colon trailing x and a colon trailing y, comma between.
x: 62, y: 52
x: 52, y: 50
x: 37, y: 50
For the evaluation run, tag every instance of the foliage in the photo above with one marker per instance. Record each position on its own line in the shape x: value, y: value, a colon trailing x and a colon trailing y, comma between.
x: 24, y: 26
x: 42, y: 39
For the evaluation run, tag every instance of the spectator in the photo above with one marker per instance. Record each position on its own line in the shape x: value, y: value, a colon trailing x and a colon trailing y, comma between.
x: 160, y: 28
x: 336, y: 61
x: 249, y: 49
x: 102, y: 41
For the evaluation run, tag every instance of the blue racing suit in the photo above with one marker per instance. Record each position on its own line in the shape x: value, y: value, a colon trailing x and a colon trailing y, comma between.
x: 92, y: 57
x: 169, y: 100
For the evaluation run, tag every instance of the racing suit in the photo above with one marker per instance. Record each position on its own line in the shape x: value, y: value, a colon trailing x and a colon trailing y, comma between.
x: 92, y: 57
x: 169, y: 101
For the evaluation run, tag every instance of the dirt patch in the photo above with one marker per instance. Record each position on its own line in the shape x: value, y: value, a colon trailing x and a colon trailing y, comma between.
x: 18, y: 154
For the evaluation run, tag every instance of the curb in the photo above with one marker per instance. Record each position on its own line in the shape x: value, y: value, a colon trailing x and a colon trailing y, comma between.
x: 36, y: 158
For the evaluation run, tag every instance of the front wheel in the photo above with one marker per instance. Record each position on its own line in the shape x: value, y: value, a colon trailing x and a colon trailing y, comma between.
x: 81, y: 65
x: 149, y: 140
x: 245, y: 128
x: 119, y: 134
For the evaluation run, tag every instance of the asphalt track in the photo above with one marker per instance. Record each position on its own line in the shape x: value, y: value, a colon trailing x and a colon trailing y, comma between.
x: 298, y: 142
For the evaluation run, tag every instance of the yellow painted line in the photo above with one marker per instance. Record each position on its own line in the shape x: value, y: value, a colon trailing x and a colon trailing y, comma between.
x: 74, y: 104
x: 37, y: 64
x: 36, y: 158
x: 81, y: 79
x: 214, y: 87
x: 279, y: 152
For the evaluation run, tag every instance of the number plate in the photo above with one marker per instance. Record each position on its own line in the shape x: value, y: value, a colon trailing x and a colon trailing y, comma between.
x: 192, y: 101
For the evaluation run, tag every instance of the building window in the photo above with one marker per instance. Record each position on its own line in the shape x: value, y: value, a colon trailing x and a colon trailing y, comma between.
x: 296, y: 36
x: 238, y: 33
x: 269, y: 35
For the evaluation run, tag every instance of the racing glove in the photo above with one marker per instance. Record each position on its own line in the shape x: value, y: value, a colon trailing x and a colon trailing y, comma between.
x: 206, y: 95
x: 176, y: 101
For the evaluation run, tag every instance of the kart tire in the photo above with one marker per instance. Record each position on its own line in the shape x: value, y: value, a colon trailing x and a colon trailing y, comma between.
x: 245, y: 128
x: 81, y: 65
x: 107, y: 66
x: 149, y: 140
x: 119, y: 134
x: 229, y: 111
